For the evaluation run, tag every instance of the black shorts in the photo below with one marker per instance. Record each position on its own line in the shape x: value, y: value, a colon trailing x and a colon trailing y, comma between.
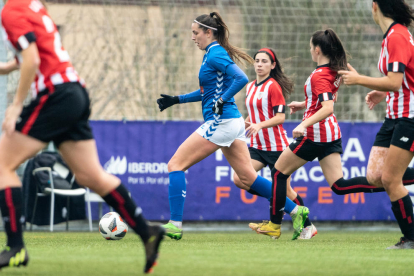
x: 309, y: 150
x: 59, y: 116
x: 396, y: 132
x: 268, y: 158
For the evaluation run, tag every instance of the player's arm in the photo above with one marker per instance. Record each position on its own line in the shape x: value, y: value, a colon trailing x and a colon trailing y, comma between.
x: 167, y: 101
x: 296, y: 106
x: 391, y: 82
x: 278, y: 119
x: 28, y: 69
x: 325, y: 111
x: 223, y: 63
x: 7, y: 67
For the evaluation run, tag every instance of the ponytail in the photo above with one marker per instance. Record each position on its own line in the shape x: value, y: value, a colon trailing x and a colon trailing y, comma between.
x: 277, y: 73
x: 221, y: 32
x: 398, y: 10
x: 331, y: 46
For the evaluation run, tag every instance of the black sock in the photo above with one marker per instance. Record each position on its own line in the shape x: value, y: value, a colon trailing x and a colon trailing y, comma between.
x: 299, y: 201
x: 125, y: 206
x: 253, y: 192
x: 354, y: 185
x: 408, y: 177
x: 11, y: 205
x: 278, y: 200
x: 403, y: 212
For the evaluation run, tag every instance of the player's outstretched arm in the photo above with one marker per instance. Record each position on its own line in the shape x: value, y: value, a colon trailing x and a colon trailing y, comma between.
x: 8, y: 67
x: 166, y: 101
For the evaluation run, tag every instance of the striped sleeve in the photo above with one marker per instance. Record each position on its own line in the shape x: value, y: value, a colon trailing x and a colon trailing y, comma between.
x: 399, y: 53
x: 19, y: 30
x: 327, y: 96
x: 322, y: 86
x: 279, y: 109
x: 276, y: 98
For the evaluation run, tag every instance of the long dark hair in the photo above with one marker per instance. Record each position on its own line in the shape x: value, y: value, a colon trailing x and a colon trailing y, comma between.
x: 222, y: 35
x: 331, y: 46
x: 398, y: 10
x: 277, y: 73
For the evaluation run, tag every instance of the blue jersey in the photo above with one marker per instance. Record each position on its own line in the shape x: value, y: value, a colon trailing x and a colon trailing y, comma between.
x: 214, y: 82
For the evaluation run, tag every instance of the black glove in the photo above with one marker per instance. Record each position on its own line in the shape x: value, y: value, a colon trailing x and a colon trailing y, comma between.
x: 218, y: 107
x: 166, y: 101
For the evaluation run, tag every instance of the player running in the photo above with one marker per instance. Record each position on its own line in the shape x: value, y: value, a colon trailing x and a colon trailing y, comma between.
x: 265, y: 102
x: 220, y: 79
x: 394, y: 144
x: 319, y: 135
x: 58, y: 112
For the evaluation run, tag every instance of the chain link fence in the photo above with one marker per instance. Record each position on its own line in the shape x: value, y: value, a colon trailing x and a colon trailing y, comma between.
x: 130, y: 51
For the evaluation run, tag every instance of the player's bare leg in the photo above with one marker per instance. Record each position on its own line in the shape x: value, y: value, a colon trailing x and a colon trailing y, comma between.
x: 194, y: 149
x: 394, y: 168
x: 82, y: 159
x: 14, y: 150
x: 376, y: 163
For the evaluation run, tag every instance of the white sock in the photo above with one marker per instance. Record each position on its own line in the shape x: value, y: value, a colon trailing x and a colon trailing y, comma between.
x: 178, y: 224
x: 294, y: 211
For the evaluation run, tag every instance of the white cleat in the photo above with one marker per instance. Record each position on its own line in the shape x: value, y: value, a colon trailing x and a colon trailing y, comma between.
x: 308, y: 232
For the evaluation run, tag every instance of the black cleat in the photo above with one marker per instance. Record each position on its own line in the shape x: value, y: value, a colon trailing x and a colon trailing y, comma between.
x: 403, y: 244
x: 14, y: 257
x: 156, y: 233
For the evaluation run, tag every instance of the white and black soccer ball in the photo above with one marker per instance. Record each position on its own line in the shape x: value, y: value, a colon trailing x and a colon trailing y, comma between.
x: 112, y: 226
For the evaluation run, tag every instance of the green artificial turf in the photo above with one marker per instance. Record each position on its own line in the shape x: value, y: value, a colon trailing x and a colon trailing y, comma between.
x: 222, y: 253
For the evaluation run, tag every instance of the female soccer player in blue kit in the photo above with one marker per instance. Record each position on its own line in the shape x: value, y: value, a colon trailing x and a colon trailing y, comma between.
x: 220, y: 79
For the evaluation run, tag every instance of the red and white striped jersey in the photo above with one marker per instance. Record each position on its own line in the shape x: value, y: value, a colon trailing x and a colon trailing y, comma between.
x: 27, y: 21
x: 397, y: 55
x: 263, y: 101
x: 321, y: 85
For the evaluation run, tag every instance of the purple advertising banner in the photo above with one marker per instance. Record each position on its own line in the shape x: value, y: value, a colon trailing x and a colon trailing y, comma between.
x: 138, y: 153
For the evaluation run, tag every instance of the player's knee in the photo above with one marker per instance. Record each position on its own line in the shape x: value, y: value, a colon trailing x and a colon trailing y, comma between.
x: 387, y: 180
x: 374, y: 178
x: 173, y: 166
x: 337, y: 185
x: 237, y: 181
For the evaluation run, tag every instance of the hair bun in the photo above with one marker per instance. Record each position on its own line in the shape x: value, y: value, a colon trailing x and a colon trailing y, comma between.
x: 212, y: 14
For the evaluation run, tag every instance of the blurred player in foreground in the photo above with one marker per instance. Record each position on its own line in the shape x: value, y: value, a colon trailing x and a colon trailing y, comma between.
x: 58, y: 112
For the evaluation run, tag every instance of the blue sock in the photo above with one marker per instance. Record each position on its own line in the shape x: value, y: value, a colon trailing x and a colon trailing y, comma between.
x: 176, y: 194
x: 264, y: 188
x: 289, y: 206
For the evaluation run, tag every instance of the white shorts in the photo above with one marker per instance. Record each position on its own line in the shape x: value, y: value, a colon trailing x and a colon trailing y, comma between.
x: 223, y: 132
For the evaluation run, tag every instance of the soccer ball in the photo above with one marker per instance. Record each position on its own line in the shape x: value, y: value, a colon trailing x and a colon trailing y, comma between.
x: 112, y: 226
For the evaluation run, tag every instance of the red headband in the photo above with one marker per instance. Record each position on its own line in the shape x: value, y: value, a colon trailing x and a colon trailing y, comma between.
x: 269, y: 52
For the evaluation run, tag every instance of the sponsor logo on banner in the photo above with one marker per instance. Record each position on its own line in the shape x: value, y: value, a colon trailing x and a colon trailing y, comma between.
x: 116, y: 166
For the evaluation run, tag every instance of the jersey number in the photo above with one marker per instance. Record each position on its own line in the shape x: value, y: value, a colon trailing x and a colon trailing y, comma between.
x: 57, y: 43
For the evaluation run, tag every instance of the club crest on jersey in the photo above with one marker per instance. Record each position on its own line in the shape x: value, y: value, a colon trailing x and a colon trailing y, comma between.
x: 260, y: 95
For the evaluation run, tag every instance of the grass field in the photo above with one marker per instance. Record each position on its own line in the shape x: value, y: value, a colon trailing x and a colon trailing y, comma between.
x: 222, y: 253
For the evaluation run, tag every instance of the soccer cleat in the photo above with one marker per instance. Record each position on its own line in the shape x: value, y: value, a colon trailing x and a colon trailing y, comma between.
x: 173, y: 231
x: 270, y: 229
x: 13, y: 257
x: 298, y: 221
x: 152, y: 245
x: 255, y: 226
x: 308, y: 232
x: 403, y: 244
